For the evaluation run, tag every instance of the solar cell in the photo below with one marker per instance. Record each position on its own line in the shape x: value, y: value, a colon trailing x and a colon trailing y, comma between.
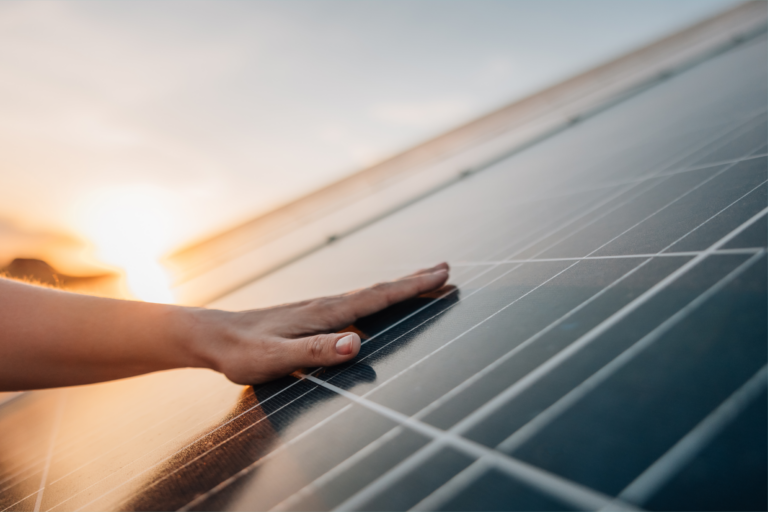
x: 605, y: 345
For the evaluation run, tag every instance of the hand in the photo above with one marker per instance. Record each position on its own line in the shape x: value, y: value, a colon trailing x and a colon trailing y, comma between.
x: 256, y: 346
x: 52, y: 338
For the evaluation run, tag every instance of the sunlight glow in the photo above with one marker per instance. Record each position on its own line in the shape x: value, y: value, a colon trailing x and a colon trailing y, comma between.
x: 129, y: 228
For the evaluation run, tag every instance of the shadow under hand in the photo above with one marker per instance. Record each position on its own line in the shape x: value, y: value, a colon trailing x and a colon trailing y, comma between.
x: 388, y: 331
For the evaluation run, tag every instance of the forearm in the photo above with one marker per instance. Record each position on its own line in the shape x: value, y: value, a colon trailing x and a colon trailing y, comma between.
x: 51, y: 338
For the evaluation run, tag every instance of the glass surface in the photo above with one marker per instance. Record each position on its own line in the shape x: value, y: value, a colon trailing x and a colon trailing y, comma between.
x: 496, y: 491
x: 566, y: 256
x: 415, y: 486
x: 730, y: 473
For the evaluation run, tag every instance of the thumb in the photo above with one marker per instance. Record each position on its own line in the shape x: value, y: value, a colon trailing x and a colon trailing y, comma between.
x: 325, y: 349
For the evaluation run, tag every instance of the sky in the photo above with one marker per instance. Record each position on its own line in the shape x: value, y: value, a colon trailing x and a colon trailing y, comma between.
x: 144, y: 126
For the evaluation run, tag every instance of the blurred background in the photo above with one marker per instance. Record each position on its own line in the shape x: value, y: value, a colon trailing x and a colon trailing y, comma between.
x: 130, y: 129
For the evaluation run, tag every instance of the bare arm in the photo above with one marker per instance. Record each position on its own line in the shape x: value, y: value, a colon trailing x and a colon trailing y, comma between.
x: 50, y: 338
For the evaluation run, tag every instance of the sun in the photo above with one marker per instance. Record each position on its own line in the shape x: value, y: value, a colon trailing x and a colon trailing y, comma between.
x: 129, y: 228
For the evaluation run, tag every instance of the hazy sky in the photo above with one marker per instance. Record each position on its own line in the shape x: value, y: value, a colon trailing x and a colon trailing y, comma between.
x: 198, y: 115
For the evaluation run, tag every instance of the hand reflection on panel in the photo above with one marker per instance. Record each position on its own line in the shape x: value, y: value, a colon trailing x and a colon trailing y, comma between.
x: 209, y: 459
x: 263, y: 418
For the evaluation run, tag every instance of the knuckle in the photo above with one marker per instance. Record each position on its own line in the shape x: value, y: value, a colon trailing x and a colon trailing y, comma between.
x: 344, y: 312
x: 315, y: 311
x: 328, y: 314
x: 315, y: 347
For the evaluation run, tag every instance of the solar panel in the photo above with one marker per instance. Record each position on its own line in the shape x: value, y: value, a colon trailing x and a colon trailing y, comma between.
x: 604, y: 345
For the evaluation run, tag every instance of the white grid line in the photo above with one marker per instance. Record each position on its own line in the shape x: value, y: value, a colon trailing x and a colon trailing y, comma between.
x: 52, y: 443
x: 676, y: 254
x: 740, y: 250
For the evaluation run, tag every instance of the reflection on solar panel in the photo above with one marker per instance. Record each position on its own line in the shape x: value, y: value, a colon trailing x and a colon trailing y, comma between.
x: 605, y: 346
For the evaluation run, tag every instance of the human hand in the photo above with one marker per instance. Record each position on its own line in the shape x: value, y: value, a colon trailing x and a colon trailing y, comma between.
x: 256, y: 346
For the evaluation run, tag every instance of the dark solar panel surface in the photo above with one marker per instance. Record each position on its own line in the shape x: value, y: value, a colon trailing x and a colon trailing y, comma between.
x: 604, y: 346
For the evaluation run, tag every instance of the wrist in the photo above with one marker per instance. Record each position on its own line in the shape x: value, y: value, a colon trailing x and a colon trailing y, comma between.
x: 204, y: 336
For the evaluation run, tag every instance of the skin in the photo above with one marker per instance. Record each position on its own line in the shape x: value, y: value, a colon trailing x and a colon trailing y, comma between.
x: 51, y: 338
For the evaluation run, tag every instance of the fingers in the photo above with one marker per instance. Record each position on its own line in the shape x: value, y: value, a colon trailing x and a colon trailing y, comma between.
x: 439, y: 266
x: 331, y: 313
x: 371, y: 300
x: 322, y: 349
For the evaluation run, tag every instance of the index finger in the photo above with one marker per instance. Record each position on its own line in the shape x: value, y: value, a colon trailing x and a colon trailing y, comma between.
x: 380, y: 296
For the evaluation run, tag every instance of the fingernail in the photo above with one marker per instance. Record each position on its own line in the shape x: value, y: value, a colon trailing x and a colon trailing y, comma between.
x: 344, y: 345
